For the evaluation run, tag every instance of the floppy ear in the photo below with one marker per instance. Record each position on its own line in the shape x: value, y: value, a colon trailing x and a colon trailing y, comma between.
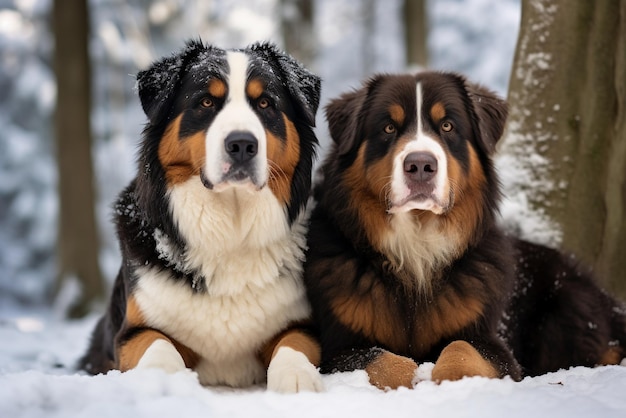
x: 156, y: 84
x: 491, y: 112
x: 342, y: 115
x: 303, y: 86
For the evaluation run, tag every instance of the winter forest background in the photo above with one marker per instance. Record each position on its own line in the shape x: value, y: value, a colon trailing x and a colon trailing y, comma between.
x: 350, y: 41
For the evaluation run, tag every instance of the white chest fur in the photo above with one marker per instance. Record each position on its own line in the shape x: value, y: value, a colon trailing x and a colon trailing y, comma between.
x: 251, y: 261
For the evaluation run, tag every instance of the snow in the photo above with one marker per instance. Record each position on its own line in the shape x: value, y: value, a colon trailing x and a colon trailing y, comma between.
x: 37, y: 352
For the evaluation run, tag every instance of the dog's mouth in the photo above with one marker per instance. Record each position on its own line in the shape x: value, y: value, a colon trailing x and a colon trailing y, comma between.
x: 419, y: 202
x: 420, y: 196
x: 234, y: 177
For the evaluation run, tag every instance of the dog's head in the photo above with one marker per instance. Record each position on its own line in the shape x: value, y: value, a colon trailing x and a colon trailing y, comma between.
x: 412, y: 162
x: 417, y: 142
x: 233, y: 118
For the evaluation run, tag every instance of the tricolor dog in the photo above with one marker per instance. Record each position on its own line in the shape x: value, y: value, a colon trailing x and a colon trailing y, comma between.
x: 406, y: 263
x: 212, y: 229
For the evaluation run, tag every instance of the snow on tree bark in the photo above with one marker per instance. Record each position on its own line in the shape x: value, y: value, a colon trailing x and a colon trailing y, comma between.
x: 566, y: 134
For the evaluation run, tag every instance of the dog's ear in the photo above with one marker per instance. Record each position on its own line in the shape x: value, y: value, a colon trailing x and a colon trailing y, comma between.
x: 491, y: 112
x: 303, y: 86
x: 342, y: 115
x: 157, y: 84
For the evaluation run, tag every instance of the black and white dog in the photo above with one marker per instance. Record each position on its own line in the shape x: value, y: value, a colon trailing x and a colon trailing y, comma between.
x: 212, y: 229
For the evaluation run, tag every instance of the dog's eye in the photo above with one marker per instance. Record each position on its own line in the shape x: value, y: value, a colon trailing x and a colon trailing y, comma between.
x: 390, y: 128
x: 264, y: 103
x: 446, y: 126
x: 207, y: 102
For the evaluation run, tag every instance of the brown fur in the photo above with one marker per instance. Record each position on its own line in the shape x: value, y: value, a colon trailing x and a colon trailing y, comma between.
x: 437, y: 112
x: 217, y: 88
x: 283, y: 158
x: 390, y: 371
x: 459, y: 359
x: 180, y: 158
x: 293, y: 338
x: 255, y: 89
x: 129, y: 352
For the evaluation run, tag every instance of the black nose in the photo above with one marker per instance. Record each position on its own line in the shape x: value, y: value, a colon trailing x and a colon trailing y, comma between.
x: 241, y: 146
x: 420, y: 166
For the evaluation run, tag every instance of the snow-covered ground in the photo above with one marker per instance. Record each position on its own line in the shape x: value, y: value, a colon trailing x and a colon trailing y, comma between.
x: 37, y: 380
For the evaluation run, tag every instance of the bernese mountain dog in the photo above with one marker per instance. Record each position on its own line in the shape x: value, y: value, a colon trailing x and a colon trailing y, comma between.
x: 405, y: 261
x: 212, y: 228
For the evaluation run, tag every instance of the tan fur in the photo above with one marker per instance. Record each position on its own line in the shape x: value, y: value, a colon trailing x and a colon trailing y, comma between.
x: 437, y: 112
x: 295, y: 339
x: 181, y: 157
x: 133, y: 316
x: 254, y: 89
x: 131, y: 351
x: 611, y: 356
x: 460, y: 359
x: 391, y: 371
x: 368, y: 310
x: 467, y: 187
x: 449, y: 314
x: 283, y: 158
x: 397, y: 113
x: 217, y: 88
x: 368, y: 188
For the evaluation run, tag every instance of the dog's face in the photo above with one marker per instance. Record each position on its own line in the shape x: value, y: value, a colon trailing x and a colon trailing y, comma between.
x: 236, y: 118
x: 416, y: 143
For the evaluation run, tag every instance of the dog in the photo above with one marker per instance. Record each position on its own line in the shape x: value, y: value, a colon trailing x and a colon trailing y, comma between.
x: 212, y: 229
x: 406, y: 263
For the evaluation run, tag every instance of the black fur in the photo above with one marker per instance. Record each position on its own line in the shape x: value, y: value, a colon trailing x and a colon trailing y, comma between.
x: 558, y: 316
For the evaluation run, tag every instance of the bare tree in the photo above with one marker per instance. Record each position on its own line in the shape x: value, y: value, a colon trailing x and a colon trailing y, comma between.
x: 78, y: 239
x: 416, y: 32
x: 568, y: 105
x: 297, y: 28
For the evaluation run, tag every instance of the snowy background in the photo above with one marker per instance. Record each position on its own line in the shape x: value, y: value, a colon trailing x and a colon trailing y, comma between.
x: 38, y: 347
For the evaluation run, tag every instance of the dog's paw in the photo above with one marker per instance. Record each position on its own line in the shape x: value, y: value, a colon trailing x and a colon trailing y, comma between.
x: 460, y: 359
x: 162, y: 355
x: 391, y: 371
x: 290, y: 371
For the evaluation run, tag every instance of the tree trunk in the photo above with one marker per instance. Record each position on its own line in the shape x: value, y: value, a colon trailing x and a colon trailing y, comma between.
x: 297, y: 28
x: 568, y: 105
x: 78, y: 239
x: 416, y: 33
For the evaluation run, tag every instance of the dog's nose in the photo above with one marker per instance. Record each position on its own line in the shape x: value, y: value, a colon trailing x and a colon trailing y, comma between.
x: 420, y: 166
x: 241, y: 146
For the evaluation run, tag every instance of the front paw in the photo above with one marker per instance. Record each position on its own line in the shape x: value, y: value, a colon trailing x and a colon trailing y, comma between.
x: 460, y: 359
x: 290, y: 371
x: 391, y: 371
x: 162, y: 355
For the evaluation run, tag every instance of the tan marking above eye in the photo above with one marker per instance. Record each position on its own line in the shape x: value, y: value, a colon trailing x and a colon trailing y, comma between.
x: 217, y: 88
x: 255, y: 89
x: 446, y: 126
x: 397, y: 113
x: 390, y: 128
x: 437, y: 112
